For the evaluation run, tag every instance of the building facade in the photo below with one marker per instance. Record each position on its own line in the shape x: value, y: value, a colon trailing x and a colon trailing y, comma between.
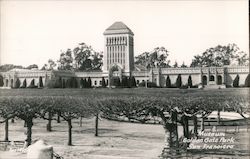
x: 118, y: 60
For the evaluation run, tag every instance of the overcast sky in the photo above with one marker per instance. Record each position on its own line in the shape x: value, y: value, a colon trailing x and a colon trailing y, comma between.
x: 33, y: 31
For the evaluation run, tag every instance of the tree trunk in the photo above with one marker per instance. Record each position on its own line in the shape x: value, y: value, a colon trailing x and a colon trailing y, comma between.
x: 96, y: 125
x: 6, y: 138
x: 185, y: 127
x: 12, y: 120
x: 58, y: 117
x: 175, y: 129
x: 69, y: 132
x: 80, y: 122
x: 25, y: 124
x: 218, y: 117
x: 195, y: 126
x: 167, y: 139
x: 49, y: 122
x: 29, y: 130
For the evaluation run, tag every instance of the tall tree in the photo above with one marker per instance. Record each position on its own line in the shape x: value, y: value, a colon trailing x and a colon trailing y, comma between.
x: 49, y: 66
x: 156, y: 58
x: 178, y: 81
x: 175, y: 64
x: 168, y: 82
x: 190, y: 83
x: 236, y: 81
x: 1, y: 81
x: 86, y: 59
x: 103, y: 82
x: 220, y: 56
x: 183, y: 65
x: 65, y: 61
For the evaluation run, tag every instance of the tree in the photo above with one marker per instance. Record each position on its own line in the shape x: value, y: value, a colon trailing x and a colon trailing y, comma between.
x: 49, y: 66
x: 32, y: 84
x: 190, y: 83
x: 71, y: 108
x: 220, y: 56
x: 65, y: 61
x: 86, y: 59
x: 247, y: 81
x: 17, y: 83
x: 175, y: 64
x: 155, y: 58
x: 7, y: 67
x: 236, y: 81
x: 103, y: 82
x: 33, y: 66
x: 183, y: 65
x: 40, y: 82
x: 55, y: 82
x: 168, y: 82
x: 131, y: 82
x: 24, y: 85
x: 178, y: 81
x: 1, y: 81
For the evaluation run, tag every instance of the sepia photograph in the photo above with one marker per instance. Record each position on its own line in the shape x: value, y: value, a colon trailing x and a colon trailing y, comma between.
x: 106, y: 79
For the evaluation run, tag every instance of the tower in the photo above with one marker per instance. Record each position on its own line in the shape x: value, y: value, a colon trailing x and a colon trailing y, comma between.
x: 119, y: 48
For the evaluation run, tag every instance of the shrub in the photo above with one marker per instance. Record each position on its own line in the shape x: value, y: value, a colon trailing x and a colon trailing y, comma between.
x: 17, y: 83
x: 68, y: 83
x: 89, y: 83
x: 24, y: 85
x: 103, y: 82
x: 190, y: 83
x: 115, y: 81
x: 132, y: 82
x: 32, y: 84
x: 247, y: 81
x: 124, y: 81
x: 1, y: 81
x: 54, y: 83
x: 149, y: 84
x: 236, y: 81
x: 40, y: 82
x: 178, y: 81
x: 74, y: 83
x: 168, y: 82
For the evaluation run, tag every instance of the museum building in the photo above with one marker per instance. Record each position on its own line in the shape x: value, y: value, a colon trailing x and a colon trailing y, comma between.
x: 118, y: 61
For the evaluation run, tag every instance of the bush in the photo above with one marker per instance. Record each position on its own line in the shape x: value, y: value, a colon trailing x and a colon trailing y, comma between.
x: 115, y: 81
x: 24, y: 85
x: 178, y: 81
x: 190, y: 83
x: 54, y: 83
x: 103, y: 82
x: 17, y: 83
x: 132, y: 82
x: 40, y: 82
x: 168, y: 82
x: 149, y: 84
x: 1, y: 81
x: 124, y: 82
x: 247, y: 81
x: 89, y: 83
x: 236, y: 81
x: 32, y: 84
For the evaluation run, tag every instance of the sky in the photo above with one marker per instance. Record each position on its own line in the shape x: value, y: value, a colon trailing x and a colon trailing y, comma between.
x: 33, y: 31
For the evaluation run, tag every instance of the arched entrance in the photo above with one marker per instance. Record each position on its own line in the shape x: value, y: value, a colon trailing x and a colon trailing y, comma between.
x: 115, y: 73
x: 219, y: 80
x: 204, y: 80
x: 211, y: 78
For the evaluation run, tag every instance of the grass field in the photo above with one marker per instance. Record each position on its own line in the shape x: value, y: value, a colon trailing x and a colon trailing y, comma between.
x: 116, y: 140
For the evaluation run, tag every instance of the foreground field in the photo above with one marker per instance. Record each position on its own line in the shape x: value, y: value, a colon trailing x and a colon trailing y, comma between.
x: 116, y: 140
